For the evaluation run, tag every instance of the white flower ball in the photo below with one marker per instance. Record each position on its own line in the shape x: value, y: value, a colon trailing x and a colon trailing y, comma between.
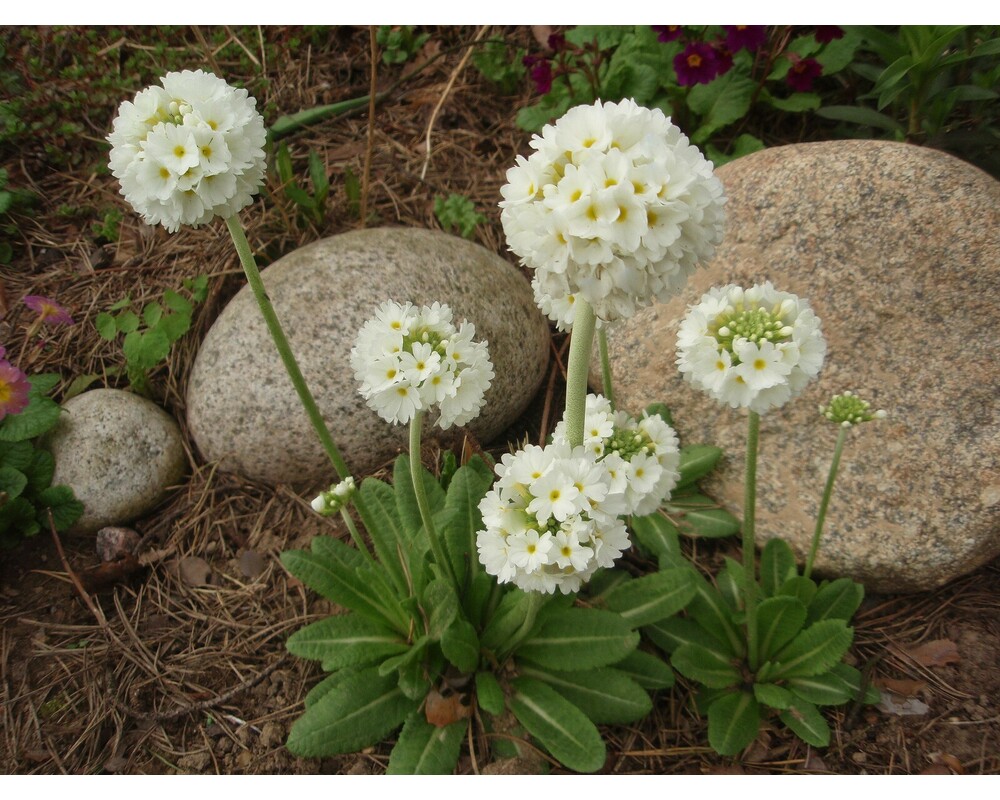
x: 614, y: 206
x: 755, y: 348
x: 189, y: 151
x: 410, y: 359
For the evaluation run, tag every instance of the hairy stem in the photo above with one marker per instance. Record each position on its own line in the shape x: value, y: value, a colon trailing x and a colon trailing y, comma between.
x: 749, y: 546
x: 580, y: 345
x: 825, y: 502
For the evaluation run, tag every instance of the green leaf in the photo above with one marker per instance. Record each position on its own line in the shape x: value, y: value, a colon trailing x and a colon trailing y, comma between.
x: 558, y: 725
x: 733, y: 722
x: 815, y: 650
x: 378, y: 512
x: 606, y: 36
x: 991, y: 47
x: 777, y: 565
x: 649, y: 671
x: 358, y: 712
x: 852, y: 679
x: 341, y: 552
x: 802, y: 588
x: 720, y: 102
x: 344, y: 586
x: 127, y: 321
x: 705, y: 666
x: 798, y: 102
x: 890, y: 77
x: 406, y: 500
x: 606, y: 695
x: 17, y: 519
x: 506, y: 621
x: 43, y: 383
x: 424, y: 749
x: 671, y: 633
x: 580, y: 638
x: 489, y: 694
x: 769, y: 694
x: 16, y: 454
x: 177, y: 302
x: 658, y: 535
x: 807, y: 723
x: 146, y: 350
x: 120, y: 304
x: 40, y: 470
x: 839, y: 53
x: 151, y: 314
x: 652, y: 597
x: 40, y: 415
x: 861, y: 115
x: 710, y: 611
x: 12, y: 482
x: 697, y: 460
x: 709, y: 522
x: 106, y: 326
x: 174, y: 326
x: 779, y: 620
x: 440, y: 604
x: 828, y: 689
x: 838, y: 599
x: 60, y: 500
x: 461, y: 518
x: 81, y: 383
x: 731, y: 584
x: 198, y: 287
x: 318, y: 176
x: 460, y: 645
x: 345, y: 641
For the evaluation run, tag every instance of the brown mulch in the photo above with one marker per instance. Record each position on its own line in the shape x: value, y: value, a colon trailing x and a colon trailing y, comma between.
x: 154, y: 675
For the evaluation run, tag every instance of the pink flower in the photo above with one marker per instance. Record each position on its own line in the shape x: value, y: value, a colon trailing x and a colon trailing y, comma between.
x: 667, y: 33
x: 49, y: 311
x: 696, y: 63
x: 540, y: 70
x: 14, y: 389
x: 723, y: 58
x: 803, y: 72
x: 749, y: 36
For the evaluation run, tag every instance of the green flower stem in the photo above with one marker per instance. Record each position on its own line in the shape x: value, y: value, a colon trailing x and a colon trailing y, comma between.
x: 749, y: 546
x: 825, y: 502
x: 281, y: 343
x: 606, y: 379
x: 440, y: 556
x: 580, y: 344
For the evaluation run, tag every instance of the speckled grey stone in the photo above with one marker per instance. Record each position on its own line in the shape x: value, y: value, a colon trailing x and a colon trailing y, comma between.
x: 897, y: 248
x: 242, y: 408
x: 119, y: 452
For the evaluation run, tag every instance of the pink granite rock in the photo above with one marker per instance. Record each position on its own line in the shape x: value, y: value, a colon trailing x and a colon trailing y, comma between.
x: 897, y: 248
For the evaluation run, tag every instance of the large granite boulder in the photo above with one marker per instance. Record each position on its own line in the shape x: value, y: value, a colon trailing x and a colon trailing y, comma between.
x: 118, y: 452
x: 242, y: 408
x: 897, y: 248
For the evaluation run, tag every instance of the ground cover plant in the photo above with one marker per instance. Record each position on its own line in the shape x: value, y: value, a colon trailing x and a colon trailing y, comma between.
x: 167, y: 676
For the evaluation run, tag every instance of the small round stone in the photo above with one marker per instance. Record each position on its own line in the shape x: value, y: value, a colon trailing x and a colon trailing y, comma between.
x: 118, y: 452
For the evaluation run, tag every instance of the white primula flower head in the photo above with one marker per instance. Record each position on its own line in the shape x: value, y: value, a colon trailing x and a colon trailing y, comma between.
x: 755, y: 348
x: 642, y: 455
x: 328, y: 503
x: 410, y: 359
x: 848, y: 410
x: 615, y: 206
x: 550, y: 519
x: 189, y: 151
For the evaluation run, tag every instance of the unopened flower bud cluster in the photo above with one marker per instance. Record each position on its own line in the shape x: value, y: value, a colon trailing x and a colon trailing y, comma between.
x: 552, y: 519
x: 614, y: 206
x: 848, y: 409
x: 411, y: 359
x: 642, y: 456
x: 188, y: 151
x: 328, y: 503
x: 754, y: 348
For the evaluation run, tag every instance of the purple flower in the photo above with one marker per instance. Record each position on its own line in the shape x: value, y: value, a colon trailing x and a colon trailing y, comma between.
x: 827, y: 33
x: 723, y: 58
x: 48, y: 310
x: 696, y: 63
x: 14, y: 388
x: 668, y: 33
x: 540, y: 71
x: 557, y: 42
x: 749, y: 36
x: 803, y: 72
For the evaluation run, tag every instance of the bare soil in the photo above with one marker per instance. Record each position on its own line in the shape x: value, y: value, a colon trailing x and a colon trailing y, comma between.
x: 152, y: 675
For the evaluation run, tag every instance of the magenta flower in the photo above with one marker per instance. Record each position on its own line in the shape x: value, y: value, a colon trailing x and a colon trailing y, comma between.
x: 540, y: 71
x: 668, y: 33
x: 749, y: 36
x: 827, y: 33
x: 803, y: 72
x: 49, y: 311
x: 557, y: 42
x: 723, y: 58
x: 696, y: 63
x: 14, y: 388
